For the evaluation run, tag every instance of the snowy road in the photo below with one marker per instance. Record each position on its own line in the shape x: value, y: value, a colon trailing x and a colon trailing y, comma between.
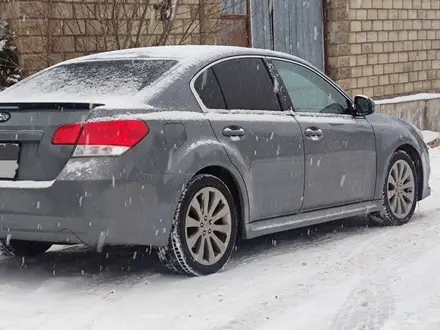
x: 338, y: 276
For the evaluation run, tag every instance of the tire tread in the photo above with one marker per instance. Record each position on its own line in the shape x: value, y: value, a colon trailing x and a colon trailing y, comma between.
x: 172, y: 256
x: 384, y: 217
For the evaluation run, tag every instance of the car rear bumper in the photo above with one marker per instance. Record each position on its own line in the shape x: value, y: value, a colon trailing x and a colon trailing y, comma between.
x: 90, y: 206
x: 426, y: 191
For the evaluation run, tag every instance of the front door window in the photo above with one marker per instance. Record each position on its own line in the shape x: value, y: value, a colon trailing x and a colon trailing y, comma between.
x: 309, y: 92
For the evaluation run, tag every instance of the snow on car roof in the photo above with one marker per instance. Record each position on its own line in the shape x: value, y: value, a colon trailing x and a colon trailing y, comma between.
x: 187, y: 52
x: 191, y: 58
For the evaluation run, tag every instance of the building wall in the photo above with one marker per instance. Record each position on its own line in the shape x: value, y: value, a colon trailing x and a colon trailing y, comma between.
x: 380, y: 48
x: 383, y: 48
x: 50, y: 31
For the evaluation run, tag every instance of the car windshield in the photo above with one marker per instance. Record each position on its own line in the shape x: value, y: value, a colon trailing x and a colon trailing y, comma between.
x: 96, y: 78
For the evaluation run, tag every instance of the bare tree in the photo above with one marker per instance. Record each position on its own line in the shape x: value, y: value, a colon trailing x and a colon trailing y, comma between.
x: 71, y: 28
x: 10, y: 71
x: 140, y: 23
x: 41, y: 38
x: 168, y: 11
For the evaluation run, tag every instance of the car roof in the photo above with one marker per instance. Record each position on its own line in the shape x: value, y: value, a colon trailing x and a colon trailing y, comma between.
x: 185, y: 53
x: 167, y: 91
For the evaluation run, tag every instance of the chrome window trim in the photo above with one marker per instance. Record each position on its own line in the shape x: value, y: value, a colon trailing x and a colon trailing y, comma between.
x: 198, y: 74
x: 325, y: 78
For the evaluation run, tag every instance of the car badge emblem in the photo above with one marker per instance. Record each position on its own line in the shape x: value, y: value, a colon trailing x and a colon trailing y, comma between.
x: 4, y: 117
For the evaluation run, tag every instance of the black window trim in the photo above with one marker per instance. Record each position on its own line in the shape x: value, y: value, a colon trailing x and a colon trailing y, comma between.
x: 218, y: 84
x: 210, y: 65
x: 320, y: 74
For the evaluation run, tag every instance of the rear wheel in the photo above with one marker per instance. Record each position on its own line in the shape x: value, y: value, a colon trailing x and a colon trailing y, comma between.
x: 204, y: 230
x: 399, y: 197
x: 23, y: 248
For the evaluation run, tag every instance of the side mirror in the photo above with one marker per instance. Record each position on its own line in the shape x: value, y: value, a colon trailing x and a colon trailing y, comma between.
x: 364, y: 105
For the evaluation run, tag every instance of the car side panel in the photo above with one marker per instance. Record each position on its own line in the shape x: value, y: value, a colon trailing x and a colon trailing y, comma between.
x: 390, y: 134
x: 341, y: 165
x: 270, y: 157
x: 182, y: 143
x: 202, y: 150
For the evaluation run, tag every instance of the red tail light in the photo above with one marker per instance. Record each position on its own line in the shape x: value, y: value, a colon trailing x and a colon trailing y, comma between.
x: 67, y: 134
x: 105, y: 138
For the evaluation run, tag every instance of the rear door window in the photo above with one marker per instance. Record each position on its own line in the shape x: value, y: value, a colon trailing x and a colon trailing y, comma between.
x: 209, y: 91
x: 246, y: 84
x: 94, y: 78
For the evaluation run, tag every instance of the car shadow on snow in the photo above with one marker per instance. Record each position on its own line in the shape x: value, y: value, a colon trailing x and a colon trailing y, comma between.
x: 133, y: 264
x: 111, y: 264
x: 311, y: 236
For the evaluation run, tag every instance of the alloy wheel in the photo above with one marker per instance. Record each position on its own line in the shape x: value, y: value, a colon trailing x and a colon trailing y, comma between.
x: 401, y: 189
x: 208, y: 226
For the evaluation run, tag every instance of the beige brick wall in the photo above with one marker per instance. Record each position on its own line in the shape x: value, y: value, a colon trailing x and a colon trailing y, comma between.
x: 50, y: 31
x: 384, y: 48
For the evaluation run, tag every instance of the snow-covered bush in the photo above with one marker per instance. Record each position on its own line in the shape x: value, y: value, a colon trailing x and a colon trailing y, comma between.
x: 10, y: 71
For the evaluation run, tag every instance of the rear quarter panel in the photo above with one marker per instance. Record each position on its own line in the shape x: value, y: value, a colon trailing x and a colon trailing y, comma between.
x: 390, y: 134
x: 178, y: 146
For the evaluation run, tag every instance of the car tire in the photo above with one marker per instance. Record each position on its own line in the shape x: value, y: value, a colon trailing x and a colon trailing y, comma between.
x: 18, y: 248
x: 204, y: 231
x: 399, y: 196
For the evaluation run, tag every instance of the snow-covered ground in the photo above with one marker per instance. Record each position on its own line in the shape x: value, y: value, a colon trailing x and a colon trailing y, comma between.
x: 338, y: 276
x: 430, y: 136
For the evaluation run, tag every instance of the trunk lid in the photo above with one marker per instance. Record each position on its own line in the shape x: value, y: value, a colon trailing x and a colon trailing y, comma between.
x: 31, y: 126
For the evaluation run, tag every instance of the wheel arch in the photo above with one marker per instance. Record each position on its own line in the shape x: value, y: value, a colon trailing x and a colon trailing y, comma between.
x: 237, y: 190
x: 417, y: 160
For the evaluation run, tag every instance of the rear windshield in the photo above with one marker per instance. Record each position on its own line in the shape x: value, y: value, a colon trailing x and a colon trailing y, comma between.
x: 104, y: 78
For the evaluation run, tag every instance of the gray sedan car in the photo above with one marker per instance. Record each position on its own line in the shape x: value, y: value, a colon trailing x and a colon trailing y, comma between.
x: 189, y: 148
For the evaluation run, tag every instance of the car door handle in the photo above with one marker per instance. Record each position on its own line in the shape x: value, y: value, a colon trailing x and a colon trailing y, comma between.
x: 233, y: 131
x: 313, y: 132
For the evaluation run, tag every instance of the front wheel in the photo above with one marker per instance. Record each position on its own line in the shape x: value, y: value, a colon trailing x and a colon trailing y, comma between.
x: 204, y: 231
x: 17, y: 248
x: 399, y: 197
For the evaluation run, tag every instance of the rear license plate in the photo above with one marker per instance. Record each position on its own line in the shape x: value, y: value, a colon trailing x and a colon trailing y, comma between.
x: 9, y: 153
